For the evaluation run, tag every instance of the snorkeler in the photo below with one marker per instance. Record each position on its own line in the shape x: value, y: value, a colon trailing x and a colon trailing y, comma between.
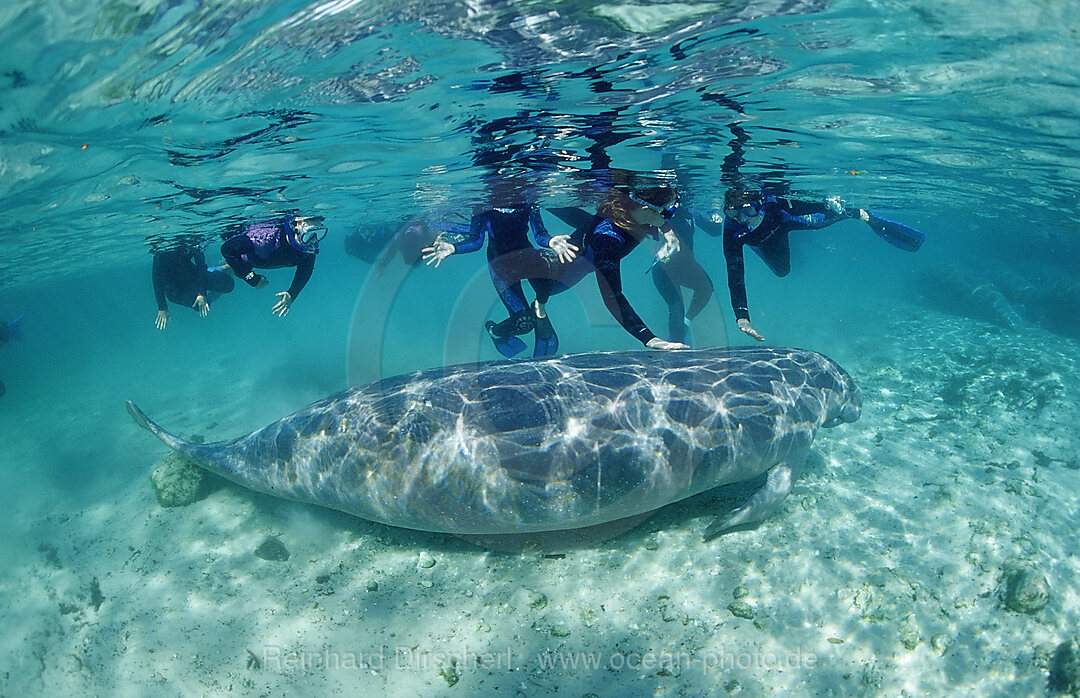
x: 507, y: 233
x: 292, y: 241
x: 625, y: 218
x: 180, y: 275
x: 762, y: 222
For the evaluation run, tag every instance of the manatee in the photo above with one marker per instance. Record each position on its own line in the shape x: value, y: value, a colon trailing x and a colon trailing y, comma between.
x: 505, y: 448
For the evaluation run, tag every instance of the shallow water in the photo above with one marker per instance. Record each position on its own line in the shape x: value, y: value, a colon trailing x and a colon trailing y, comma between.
x: 127, y: 126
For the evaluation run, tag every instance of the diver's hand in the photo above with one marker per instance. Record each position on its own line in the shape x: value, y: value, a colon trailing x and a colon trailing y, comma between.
x: 162, y: 319
x: 864, y: 215
x: 262, y: 282
x: 671, y: 245
x: 566, y: 251
x: 438, y: 251
x: 201, y: 305
x: 744, y: 325
x: 836, y: 205
x: 281, y: 309
x: 657, y: 343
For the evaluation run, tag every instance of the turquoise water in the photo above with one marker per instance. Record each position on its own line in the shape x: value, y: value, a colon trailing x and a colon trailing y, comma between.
x: 124, y: 126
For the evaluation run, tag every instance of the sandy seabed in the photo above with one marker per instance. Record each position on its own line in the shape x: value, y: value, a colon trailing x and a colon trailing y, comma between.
x: 888, y: 571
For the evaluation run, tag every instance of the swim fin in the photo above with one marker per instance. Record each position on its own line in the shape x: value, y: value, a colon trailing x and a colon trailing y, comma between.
x: 547, y: 342
x: 509, y: 346
x: 896, y: 234
x: 503, y: 333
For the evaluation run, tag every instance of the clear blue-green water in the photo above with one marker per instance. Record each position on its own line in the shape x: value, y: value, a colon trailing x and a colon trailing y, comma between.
x: 128, y: 126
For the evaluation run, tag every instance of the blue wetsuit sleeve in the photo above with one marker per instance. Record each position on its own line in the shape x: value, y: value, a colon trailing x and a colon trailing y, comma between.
x: 233, y: 250
x: 539, y: 230
x: 807, y: 215
x: 609, y: 279
x: 304, y: 267
x: 736, y: 275
x: 465, y: 239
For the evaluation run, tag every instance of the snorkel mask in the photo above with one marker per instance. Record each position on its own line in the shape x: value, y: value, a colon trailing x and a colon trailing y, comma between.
x: 745, y: 207
x: 668, y: 212
x: 308, y: 232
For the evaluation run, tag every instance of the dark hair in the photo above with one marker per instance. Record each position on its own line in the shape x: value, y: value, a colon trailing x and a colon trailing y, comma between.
x: 737, y: 197
x: 618, y: 206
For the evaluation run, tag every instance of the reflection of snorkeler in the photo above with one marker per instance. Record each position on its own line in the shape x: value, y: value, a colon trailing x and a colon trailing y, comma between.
x: 180, y: 275
x: 292, y: 241
x: 682, y: 270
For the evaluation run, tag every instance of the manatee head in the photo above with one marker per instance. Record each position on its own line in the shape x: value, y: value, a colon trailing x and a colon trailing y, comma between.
x: 843, y: 399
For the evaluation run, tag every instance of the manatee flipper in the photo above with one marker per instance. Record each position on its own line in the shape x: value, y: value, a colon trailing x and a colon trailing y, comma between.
x: 766, y: 500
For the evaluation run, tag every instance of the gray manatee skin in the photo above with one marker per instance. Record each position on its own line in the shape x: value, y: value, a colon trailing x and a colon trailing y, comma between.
x: 511, y: 447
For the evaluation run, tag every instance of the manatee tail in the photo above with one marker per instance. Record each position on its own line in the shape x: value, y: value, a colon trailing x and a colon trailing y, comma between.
x: 209, y: 456
x: 173, y: 442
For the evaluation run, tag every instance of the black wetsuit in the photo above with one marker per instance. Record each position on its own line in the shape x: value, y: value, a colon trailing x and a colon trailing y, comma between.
x: 269, y: 245
x: 602, y: 245
x: 507, y: 233
x: 180, y: 275
x: 769, y: 240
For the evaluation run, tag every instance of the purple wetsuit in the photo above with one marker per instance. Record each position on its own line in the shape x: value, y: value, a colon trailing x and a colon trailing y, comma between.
x: 269, y: 245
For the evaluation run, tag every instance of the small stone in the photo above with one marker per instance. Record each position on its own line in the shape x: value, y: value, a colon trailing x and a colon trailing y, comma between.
x: 740, y: 592
x: 940, y: 643
x: 1026, y: 591
x: 371, y: 586
x: 560, y: 630
x: 450, y: 672
x: 909, y: 632
x: 741, y: 609
x: 426, y: 561
x: 272, y: 549
x: 537, y: 600
x: 178, y: 481
x: 652, y: 542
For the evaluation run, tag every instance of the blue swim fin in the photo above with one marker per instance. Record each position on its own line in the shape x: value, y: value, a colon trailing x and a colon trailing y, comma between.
x: 547, y: 342
x: 896, y: 234
x: 509, y: 346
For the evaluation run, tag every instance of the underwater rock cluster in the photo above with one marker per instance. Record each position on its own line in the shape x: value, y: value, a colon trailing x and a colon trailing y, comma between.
x: 178, y: 481
x: 1026, y: 591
